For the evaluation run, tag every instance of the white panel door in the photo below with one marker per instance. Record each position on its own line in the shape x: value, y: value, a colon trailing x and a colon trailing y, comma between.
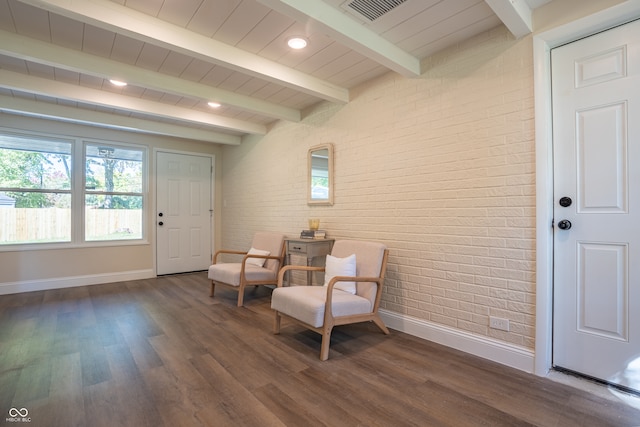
x: 183, y: 213
x: 596, y: 134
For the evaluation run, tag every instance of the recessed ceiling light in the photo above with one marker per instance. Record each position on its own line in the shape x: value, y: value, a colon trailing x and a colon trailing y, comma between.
x: 214, y: 104
x: 297, y: 42
x: 117, y: 82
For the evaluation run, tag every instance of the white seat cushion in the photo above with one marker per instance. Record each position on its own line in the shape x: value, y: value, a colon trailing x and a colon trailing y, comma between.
x: 306, y: 303
x: 229, y: 273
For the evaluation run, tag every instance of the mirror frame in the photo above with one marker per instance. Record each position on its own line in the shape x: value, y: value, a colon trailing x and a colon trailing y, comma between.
x: 329, y: 199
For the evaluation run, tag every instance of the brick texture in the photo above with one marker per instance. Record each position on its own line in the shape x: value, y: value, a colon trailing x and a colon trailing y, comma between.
x: 440, y: 168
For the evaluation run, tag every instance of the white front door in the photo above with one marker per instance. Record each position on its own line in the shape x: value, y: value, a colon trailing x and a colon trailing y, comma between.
x: 183, y: 213
x: 596, y: 137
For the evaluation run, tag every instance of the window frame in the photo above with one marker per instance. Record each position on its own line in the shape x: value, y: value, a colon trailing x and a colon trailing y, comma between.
x: 143, y: 191
x: 78, y: 192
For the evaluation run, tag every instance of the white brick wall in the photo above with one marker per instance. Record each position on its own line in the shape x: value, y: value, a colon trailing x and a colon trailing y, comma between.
x: 440, y: 168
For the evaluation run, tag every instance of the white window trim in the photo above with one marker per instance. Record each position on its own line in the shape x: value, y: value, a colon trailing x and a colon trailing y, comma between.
x: 78, y: 164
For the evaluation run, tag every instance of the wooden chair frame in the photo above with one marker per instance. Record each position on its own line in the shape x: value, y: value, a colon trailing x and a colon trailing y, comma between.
x: 329, y: 319
x: 243, y: 280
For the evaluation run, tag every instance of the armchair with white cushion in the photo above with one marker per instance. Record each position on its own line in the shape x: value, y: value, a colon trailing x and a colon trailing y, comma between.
x: 354, y: 277
x: 259, y: 265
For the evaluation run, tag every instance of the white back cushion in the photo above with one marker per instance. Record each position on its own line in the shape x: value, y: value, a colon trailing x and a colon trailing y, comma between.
x: 341, y: 267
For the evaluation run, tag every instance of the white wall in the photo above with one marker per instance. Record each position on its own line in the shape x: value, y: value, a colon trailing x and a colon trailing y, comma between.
x: 440, y: 168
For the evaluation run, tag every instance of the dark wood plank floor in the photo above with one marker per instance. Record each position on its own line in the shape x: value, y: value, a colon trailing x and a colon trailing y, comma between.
x: 160, y: 352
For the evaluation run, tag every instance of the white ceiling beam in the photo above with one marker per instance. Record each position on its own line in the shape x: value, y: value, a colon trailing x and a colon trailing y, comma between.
x: 350, y: 33
x: 27, y: 107
x: 29, y: 49
x: 514, y: 14
x: 46, y: 87
x: 114, y: 17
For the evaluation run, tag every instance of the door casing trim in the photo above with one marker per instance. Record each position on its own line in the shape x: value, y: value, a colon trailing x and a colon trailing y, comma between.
x: 542, y: 45
x: 153, y: 197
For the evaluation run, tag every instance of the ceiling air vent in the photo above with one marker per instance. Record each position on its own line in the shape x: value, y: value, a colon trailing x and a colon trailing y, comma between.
x: 371, y: 9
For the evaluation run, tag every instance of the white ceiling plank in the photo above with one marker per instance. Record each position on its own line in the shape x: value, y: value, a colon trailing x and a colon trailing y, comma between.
x: 515, y: 14
x: 14, y: 64
x: 129, y: 90
x: 6, y: 18
x: 210, y: 16
x: 251, y: 86
x: 66, y: 76
x: 114, y: 17
x: 196, y: 70
x: 102, y: 119
x: 187, y: 103
x: 435, y: 15
x: 234, y: 81
x: 17, y: 81
x: 168, y: 98
x: 126, y: 50
x: 25, y: 48
x: 98, y: 41
x: 179, y: 13
x: 41, y: 70
x: 357, y: 37
x: 66, y: 32
x: 322, y: 57
x: 91, y: 81
x: 459, y: 36
x: 267, y: 91
x: 216, y: 75
x: 267, y: 31
x: 150, y: 7
x: 444, y: 27
x: 278, y: 51
x: 175, y: 64
x: 151, y: 57
x: 151, y: 95
x: 242, y: 21
x: 30, y: 21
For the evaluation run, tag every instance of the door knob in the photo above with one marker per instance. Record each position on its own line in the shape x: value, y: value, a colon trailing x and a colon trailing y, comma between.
x: 565, y: 202
x: 565, y: 224
x: 161, y: 223
x: 160, y: 214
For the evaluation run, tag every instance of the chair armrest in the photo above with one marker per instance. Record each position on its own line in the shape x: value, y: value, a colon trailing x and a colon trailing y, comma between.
x: 266, y: 257
x: 335, y: 279
x: 286, y: 268
x: 226, y: 251
x: 247, y: 256
x: 377, y: 280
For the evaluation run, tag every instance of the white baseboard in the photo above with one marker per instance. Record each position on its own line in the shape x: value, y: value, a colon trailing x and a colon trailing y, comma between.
x: 70, y: 282
x: 497, y: 351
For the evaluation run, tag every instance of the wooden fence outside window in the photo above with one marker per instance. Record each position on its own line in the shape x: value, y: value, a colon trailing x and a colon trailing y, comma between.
x: 39, y: 225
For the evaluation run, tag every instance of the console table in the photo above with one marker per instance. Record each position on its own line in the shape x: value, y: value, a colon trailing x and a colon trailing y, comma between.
x: 308, y: 248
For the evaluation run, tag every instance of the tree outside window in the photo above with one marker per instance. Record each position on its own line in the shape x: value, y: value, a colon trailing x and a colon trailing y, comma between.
x: 113, y: 192
x: 36, y: 174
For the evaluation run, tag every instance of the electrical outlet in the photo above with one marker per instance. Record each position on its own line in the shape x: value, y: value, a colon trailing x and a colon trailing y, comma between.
x: 499, y: 323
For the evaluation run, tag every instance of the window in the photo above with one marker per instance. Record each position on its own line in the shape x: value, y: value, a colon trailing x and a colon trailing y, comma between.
x: 35, y: 190
x: 113, y: 192
x: 45, y: 199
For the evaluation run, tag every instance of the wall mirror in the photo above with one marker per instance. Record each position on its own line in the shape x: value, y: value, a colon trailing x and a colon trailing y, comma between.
x: 320, y: 166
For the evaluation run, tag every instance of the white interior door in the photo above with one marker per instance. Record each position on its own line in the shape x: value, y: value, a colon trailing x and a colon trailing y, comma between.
x: 183, y: 213
x: 596, y: 134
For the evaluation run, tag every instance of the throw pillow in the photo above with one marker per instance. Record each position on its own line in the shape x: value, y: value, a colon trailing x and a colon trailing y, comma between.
x: 257, y: 261
x: 341, y: 267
